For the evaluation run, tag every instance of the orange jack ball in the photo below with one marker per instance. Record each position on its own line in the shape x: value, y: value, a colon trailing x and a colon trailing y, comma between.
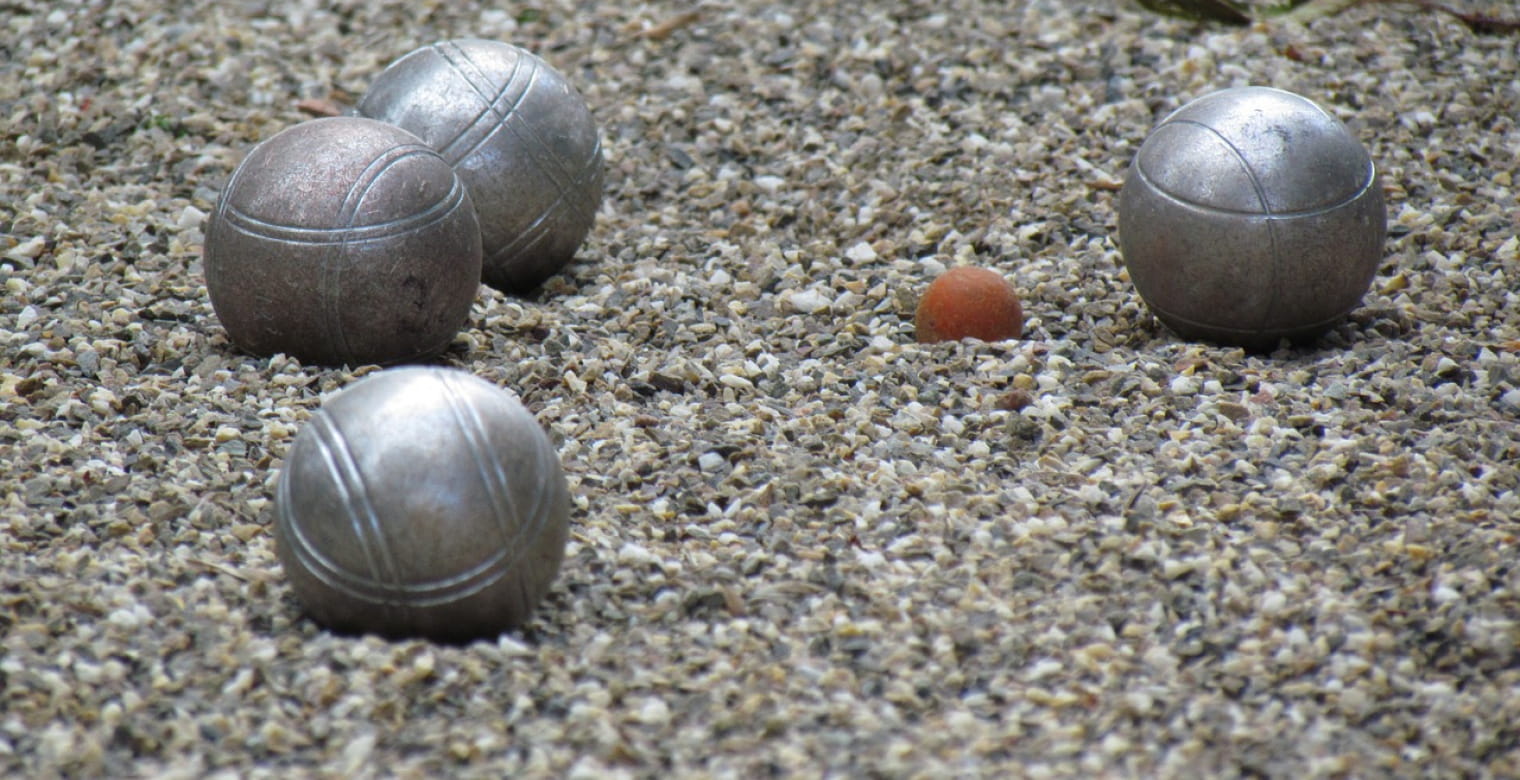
x: 968, y: 302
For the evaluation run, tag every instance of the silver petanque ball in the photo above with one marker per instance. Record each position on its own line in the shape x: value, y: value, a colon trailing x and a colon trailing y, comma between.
x: 343, y: 240
x: 1251, y: 215
x: 521, y: 138
x: 422, y: 502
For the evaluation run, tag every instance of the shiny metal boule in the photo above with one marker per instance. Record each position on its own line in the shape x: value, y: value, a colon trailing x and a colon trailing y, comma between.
x: 343, y: 240
x: 521, y: 138
x: 422, y: 502
x: 1251, y: 215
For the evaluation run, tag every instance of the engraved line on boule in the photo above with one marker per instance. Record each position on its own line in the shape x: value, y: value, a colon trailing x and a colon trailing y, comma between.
x: 336, y: 257
x: 377, y: 588
x: 546, y: 466
x: 479, y: 81
x: 384, y: 580
x: 586, y: 207
x: 526, y: 239
x: 486, y: 573
x: 269, y: 231
x: 550, y: 163
x: 220, y: 218
x: 285, y: 518
x: 516, y: 530
x: 1275, y: 268
x: 1272, y: 215
x: 329, y: 295
x: 547, y: 161
x: 540, y: 228
x: 487, y: 466
x: 547, y: 463
x: 542, y: 451
x: 457, y: 62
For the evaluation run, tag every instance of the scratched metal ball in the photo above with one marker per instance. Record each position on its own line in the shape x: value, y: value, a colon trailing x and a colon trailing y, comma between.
x: 521, y: 138
x: 421, y: 502
x: 1251, y: 215
x: 343, y: 240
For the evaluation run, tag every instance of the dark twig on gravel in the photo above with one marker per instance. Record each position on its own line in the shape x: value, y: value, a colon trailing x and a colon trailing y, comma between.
x: 1478, y: 23
x: 1201, y: 10
x: 1230, y: 12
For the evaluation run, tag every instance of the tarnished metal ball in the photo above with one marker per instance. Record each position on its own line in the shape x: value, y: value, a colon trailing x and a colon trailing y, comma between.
x: 521, y: 138
x: 343, y: 240
x: 422, y: 502
x: 1251, y: 215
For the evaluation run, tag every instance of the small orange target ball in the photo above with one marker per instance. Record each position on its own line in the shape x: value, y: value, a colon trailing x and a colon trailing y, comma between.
x: 967, y: 302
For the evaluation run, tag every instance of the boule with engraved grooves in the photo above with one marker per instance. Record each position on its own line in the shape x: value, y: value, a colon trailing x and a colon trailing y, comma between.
x: 1252, y: 215
x: 520, y: 136
x: 422, y: 502
x: 343, y: 241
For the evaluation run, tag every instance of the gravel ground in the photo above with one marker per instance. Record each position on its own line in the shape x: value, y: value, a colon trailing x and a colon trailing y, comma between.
x: 802, y: 543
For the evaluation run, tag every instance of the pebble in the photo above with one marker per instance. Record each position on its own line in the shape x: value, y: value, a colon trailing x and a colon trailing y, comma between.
x: 807, y: 301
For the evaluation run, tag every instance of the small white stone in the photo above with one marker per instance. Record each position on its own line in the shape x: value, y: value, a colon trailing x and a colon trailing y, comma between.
x: 126, y: 617
x: 1509, y: 250
x: 102, y: 400
x: 357, y: 751
x: 861, y: 253
x: 807, y: 301
x: 190, y: 218
x: 654, y: 712
x: 1045, y: 667
x: 27, y: 250
x: 631, y: 553
x: 736, y: 382
x: 769, y: 184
